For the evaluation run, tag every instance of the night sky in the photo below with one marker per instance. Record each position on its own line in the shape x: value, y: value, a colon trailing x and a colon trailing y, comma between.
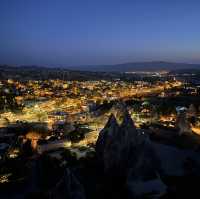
x: 86, y: 32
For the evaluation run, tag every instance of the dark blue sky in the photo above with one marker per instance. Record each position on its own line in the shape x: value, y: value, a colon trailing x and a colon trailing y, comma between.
x: 81, y: 32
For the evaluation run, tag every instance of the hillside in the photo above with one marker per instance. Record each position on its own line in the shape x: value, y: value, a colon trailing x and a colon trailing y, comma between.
x: 137, y: 66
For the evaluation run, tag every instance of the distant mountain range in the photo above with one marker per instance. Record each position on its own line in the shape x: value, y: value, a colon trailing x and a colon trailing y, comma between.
x: 137, y: 66
x: 124, y: 67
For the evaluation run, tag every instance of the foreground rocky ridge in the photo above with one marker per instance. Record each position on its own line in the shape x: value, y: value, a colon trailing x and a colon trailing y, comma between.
x: 126, y: 164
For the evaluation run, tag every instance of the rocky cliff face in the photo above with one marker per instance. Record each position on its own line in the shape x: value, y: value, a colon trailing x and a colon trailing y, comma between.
x: 124, y: 151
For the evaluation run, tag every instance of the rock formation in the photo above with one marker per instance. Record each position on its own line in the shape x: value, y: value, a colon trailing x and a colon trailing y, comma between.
x: 74, y: 188
x: 191, y: 112
x: 68, y: 187
x: 118, y: 110
x: 123, y: 151
x: 183, y: 124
